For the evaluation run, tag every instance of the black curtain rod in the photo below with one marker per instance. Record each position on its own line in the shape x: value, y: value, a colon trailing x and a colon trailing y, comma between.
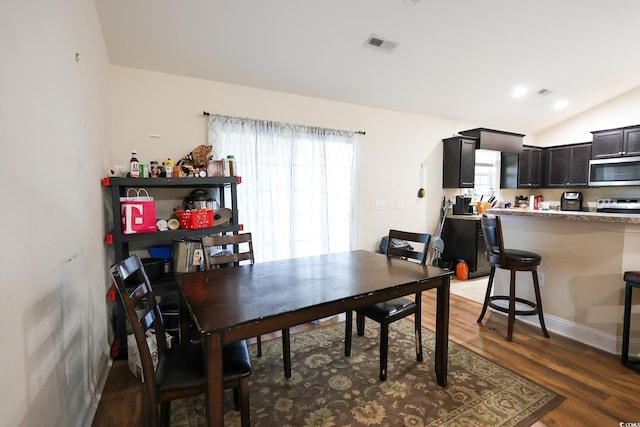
x: 360, y: 132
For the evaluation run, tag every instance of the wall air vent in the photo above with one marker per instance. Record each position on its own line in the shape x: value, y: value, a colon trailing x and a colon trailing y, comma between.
x: 379, y: 43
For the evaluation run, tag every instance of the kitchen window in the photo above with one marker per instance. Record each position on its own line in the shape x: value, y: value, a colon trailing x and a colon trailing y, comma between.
x: 487, y: 176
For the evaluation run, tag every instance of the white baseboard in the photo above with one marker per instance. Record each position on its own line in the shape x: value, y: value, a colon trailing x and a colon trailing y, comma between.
x: 93, y: 399
x: 589, y: 336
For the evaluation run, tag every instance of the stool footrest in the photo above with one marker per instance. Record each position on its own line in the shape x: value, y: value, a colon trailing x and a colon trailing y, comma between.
x: 533, y: 311
x: 632, y: 364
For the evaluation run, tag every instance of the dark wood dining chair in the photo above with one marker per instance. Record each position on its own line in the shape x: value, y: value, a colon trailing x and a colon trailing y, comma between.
x: 180, y: 370
x: 513, y: 260
x: 389, y: 311
x: 235, y: 250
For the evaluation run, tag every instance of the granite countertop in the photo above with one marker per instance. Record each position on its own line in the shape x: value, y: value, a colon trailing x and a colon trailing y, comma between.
x: 569, y: 215
x: 466, y: 217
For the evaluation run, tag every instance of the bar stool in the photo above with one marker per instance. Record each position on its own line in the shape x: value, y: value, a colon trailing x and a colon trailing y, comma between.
x: 513, y: 260
x: 633, y: 281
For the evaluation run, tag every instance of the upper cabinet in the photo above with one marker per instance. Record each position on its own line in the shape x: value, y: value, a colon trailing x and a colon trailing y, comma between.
x: 567, y: 166
x: 522, y: 170
x: 495, y: 140
x: 459, y: 162
x: 529, y: 168
x: 616, y: 142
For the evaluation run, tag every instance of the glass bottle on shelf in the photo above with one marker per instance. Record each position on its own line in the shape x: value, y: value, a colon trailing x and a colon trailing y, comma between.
x: 134, y: 165
x: 232, y: 165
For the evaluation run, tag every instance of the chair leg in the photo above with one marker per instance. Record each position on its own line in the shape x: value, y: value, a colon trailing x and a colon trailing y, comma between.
x: 259, y: 343
x: 512, y: 305
x: 384, y: 348
x: 418, y: 327
x: 536, y: 288
x: 165, y: 414
x: 245, y: 415
x: 626, y: 324
x: 487, y: 295
x: 360, y: 324
x: 286, y: 352
x: 348, y: 333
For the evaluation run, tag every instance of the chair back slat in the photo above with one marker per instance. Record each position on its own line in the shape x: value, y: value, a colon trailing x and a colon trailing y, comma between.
x: 493, y: 240
x: 420, y: 238
x: 236, y: 249
x: 148, y: 320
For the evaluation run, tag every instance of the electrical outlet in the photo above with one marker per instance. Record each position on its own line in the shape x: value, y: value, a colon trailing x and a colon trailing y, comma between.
x: 380, y: 205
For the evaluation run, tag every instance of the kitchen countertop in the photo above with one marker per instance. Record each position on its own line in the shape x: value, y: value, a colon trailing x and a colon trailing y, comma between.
x: 591, y: 216
x: 467, y: 217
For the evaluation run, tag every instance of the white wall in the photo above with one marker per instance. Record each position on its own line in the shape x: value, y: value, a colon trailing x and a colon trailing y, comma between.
x: 621, y: 111
x: 147, y: 103
x: 54, y: 132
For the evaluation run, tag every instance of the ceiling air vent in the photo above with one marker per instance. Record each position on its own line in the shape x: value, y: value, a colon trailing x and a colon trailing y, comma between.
x: 379, y: 43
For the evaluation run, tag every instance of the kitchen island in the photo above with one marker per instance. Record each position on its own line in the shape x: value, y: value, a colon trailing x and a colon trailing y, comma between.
x: 584, y: 257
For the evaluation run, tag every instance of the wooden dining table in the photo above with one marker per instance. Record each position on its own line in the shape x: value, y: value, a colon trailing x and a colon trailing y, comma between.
x: 232, y: 304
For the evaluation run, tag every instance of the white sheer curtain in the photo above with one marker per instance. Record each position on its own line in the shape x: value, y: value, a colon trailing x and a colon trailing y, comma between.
x: 296, y: 196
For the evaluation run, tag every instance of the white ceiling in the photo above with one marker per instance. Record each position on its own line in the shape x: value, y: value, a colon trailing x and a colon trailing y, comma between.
x: 456, y: 59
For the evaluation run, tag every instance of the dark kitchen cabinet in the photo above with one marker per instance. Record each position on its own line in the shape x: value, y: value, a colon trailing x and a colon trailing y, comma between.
x: 522, y: 170
x: 463, y: 239
x: 567, y: 166
x: 509, y: 170
x: 529, y: 168
x: 458, y: 162
x: 616, y: 142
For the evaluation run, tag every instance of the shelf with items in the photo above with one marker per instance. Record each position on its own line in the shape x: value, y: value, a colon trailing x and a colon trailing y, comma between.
x: 119, y: 187
x: 123, y: 243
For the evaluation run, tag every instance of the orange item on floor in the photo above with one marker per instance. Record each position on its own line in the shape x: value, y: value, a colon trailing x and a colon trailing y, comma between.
x: 462, y: 270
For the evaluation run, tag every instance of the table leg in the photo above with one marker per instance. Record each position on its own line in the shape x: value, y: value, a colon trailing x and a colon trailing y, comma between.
x: 442, y: 331
x: 214, y: 393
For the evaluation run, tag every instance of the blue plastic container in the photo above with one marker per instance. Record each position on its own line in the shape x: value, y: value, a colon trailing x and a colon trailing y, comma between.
x: 163, y: 251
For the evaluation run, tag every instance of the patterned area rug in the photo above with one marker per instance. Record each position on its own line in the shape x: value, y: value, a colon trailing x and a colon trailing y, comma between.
x: 328, y: 389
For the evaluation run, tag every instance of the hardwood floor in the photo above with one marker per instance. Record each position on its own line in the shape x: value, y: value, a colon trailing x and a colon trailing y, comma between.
x: 599, y: 391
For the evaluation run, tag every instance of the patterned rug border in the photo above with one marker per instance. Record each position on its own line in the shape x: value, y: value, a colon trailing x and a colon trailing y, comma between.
x: 496, y: 399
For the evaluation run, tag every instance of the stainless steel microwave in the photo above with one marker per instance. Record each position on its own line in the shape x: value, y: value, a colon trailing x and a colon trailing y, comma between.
x: 614, y: 171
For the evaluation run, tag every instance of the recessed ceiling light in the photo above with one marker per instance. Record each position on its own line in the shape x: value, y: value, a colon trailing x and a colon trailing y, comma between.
x: 519, y: 92
x: 560, y: 104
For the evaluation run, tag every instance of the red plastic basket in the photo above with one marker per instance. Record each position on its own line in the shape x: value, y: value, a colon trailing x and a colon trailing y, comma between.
x: 191, y: 220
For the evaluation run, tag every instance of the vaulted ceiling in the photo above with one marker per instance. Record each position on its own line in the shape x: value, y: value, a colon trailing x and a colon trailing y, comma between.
x: 455, y: 59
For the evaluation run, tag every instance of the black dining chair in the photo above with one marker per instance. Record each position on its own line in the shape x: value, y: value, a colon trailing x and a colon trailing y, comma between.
x: 179, y: 371
x: 233, y: 251
x: 389, y: 311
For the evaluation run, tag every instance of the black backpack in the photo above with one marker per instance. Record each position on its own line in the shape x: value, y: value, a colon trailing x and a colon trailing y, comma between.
x: 396, y: 243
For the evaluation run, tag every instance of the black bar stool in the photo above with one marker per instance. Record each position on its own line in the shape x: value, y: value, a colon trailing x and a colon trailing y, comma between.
x: 513, y: 260
x: 633, y: 281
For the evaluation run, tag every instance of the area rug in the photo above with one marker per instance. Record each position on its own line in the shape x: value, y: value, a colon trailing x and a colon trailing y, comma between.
x: 328, y: 389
